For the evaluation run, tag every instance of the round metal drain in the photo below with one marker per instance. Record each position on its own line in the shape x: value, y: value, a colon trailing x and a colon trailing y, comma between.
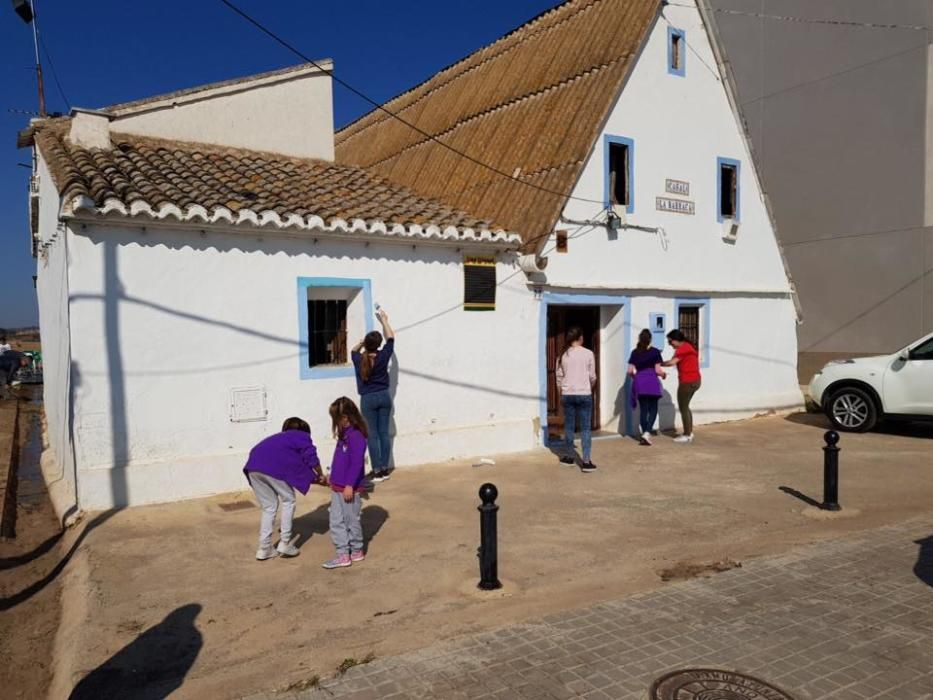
x: 711, y: 684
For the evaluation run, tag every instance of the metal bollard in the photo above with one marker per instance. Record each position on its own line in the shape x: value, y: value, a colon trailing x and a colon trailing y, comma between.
x: 488, y: 551
x: 831, y: 471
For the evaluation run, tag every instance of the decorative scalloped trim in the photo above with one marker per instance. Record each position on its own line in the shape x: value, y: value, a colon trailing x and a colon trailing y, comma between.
x: 268, y: 219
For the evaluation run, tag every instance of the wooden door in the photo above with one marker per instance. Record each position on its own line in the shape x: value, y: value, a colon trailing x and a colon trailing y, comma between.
x: 559, y: 320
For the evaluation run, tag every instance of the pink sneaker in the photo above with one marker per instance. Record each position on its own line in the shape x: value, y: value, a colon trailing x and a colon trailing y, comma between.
x: 357, y: 556
x: 338, y: 562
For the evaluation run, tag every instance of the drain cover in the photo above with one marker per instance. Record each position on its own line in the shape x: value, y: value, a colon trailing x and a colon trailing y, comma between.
x: 711, y: 684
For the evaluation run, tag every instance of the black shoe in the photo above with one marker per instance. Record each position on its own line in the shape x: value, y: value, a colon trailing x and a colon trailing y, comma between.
x: 588, y: 467
x: 567, y: 460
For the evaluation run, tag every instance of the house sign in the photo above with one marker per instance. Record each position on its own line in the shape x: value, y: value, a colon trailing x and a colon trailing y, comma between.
x: 675, y: 206
x: 678, y: 187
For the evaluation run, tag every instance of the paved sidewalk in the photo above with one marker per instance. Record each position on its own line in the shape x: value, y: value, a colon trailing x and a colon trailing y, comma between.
x: 850, y: 618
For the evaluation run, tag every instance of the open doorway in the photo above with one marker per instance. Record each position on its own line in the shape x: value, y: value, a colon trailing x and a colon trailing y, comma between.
x: 559, y: 320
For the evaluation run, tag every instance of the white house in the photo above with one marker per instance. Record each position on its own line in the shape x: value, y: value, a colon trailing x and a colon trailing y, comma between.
x: 205, y: 257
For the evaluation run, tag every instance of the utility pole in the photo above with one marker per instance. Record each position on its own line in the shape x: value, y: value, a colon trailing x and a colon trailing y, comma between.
x: 26, y: 9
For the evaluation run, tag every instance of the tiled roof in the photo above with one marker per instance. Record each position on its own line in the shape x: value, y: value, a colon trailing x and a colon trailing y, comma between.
x: 530, y: 104
x: 159, y: 178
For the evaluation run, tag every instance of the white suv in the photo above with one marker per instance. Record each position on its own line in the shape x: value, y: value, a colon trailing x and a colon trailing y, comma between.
x: 855, y: 394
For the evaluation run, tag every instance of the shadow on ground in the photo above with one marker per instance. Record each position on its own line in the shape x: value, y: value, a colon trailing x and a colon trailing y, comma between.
x: 924, y: 566
x: 31, y: 590
x: 152, y: 666
x: 317, y: 522
x: 915, y: 429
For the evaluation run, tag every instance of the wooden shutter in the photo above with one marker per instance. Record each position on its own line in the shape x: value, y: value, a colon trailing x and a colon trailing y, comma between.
x: 479, y: 284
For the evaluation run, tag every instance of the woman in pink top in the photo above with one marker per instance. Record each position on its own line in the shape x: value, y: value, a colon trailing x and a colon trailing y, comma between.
x: 576, y: 377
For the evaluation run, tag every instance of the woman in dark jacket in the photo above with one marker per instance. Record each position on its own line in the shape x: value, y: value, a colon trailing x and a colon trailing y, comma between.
x: 644, y: 366
x: 372, y: 382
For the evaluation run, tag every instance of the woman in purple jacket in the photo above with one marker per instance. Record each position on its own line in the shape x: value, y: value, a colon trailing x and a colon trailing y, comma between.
x: 346, y: 483
x: 277, y: 466
x: 644, y: 366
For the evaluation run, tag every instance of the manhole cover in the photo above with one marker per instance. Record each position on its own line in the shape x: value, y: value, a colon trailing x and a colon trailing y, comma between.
x: 710, y: 684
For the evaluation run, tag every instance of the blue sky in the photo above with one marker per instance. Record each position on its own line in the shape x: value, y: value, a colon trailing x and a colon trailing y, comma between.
x: 112, y: 51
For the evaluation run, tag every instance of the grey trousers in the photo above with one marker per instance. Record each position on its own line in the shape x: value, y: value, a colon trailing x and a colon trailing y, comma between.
x: 346, y: 531
x: 269, y: 492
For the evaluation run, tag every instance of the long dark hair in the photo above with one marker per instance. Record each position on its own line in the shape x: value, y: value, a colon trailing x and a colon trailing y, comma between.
x: 573, y: 334
x: 345, y: 407
x: 677, y: 335
x: 644, y: 341
x: 371, y: 344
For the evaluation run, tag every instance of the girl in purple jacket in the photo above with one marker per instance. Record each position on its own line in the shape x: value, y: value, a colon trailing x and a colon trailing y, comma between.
x: 346, y: 482
x: 277, y: 466
x: 644, y: 367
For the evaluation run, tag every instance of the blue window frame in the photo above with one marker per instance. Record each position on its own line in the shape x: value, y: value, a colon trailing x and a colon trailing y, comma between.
x: 703, y: 317
x: 676, y: 52
x: 619, y: 172
x: 306, y: 285
x: 728, y: 189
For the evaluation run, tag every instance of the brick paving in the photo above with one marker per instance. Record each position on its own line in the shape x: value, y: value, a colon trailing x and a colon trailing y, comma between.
x: 849, y: 618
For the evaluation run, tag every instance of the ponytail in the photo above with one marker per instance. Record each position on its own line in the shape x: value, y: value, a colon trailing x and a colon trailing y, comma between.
x: 371, y: 344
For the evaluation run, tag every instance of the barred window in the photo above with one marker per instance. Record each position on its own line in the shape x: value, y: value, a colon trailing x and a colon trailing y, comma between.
x: 327, y: 332
x: 479, y: 284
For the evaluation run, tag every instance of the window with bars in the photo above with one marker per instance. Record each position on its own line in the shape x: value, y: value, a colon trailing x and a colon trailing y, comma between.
x: 688, y: 321
x: 327, y: 332
x: 619, y: 174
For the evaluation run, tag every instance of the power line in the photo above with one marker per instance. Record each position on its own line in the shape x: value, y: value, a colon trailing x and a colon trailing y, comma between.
x: 804, y: 20
x: 693, y: 51
x: 275, y: 37
x: 847, y: 236
x: 58, y: 84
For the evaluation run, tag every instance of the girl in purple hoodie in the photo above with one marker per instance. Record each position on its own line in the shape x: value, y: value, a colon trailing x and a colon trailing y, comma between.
x: 346, y: 482
x: 277, y: 466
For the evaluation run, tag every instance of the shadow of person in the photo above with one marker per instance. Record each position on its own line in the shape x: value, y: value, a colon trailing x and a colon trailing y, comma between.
x: 667, y: 413
x: 152, y: 666
x: 924, y: 566
x: 316, y: 522
x: 372, y: 519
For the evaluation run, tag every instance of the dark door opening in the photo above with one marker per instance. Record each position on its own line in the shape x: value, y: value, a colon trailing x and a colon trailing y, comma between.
x: 559, y: 320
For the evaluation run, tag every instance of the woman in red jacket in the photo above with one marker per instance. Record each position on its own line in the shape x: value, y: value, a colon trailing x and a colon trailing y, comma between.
x: 687, y: 360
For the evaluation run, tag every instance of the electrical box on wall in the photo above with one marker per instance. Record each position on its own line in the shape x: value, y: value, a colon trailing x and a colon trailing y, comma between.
x: 248, y: 404
x: 657, y: 324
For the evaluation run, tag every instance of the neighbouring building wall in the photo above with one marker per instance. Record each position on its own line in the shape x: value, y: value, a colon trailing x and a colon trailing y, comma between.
x: 168, y: 322
x: 839, y: 117
x: 291, y: 114
x: 54, y: 328
x: 678, y: 127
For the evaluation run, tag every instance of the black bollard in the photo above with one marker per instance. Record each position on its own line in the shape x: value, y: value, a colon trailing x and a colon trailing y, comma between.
x: 488, y: 551
x: 831, y: 471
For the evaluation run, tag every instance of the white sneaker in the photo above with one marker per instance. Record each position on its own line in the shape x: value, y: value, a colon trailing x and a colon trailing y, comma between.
x: 15, y: 382
x: 646, y: 438
x: 684, y: 439
x: 264, y: 553
x: 287, y: 549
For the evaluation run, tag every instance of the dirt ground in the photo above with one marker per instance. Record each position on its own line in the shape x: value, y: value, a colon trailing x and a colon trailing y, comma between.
x: 29, y: 588
x: 171, y: 597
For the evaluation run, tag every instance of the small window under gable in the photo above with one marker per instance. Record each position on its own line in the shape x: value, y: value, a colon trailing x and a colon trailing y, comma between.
x: 479, y: 284
x: 676, y: 52
x: 727, y: 188
x: 620, y: 162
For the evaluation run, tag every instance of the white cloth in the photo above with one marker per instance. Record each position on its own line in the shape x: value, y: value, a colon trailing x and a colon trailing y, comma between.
x: 5, y: 347
x: 576, y: 372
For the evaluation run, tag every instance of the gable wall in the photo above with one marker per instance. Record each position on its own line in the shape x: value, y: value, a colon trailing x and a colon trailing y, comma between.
x: 680, y: 126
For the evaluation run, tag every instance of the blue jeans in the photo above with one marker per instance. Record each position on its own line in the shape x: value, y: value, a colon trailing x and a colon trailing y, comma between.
x: 576, y: 406
x: 377, y: 408
x: 649, y: 412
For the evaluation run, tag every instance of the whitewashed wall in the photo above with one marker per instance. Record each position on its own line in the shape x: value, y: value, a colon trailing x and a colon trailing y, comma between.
x: 166, y: 323
x: 680, y: 126
x: 52, y: 294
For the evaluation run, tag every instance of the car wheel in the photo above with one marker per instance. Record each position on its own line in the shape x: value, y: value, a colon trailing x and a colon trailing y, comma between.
x: 852, y: 409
